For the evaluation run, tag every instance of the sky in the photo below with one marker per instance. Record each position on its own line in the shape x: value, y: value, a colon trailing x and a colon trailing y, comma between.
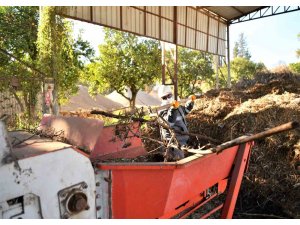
x: 271, y: 40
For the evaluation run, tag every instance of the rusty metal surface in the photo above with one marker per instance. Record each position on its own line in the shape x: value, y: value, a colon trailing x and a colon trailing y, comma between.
x: 111, y: 145
x: 44, y: 176
x: 80, y: 132
x: 28, y: 145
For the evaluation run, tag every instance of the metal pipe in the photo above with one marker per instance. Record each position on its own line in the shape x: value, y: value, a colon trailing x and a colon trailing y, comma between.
x: 228, y: 59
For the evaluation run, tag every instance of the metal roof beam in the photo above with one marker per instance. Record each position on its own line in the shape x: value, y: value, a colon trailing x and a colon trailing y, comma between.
x: 260, y: 13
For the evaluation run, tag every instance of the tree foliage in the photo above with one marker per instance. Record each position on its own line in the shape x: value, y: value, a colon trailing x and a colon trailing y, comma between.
x: 125, y: 61
x: 193, y: 68
x: 295, y: 67
x: 18, y: 35
x: 59, y: 54
x: 241, y: 68
x: 19, y: 62
x: 240, y: 48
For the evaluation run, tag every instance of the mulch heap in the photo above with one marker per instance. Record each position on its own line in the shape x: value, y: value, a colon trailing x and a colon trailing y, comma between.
x: 271, y: 186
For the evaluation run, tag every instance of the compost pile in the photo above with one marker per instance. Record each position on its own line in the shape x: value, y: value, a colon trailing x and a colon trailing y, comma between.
x: 271, y: 185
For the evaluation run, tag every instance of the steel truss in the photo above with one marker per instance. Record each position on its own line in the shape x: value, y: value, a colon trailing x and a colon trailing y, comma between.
x: 265, y: 12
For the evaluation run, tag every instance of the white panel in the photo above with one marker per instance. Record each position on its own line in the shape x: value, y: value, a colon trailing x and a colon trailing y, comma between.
x: 167, y: 11
x: 133, y: 20
x: 181, y: 35
x: 152, y: 26
x: 202, y: 21
x: 103, y: 15
x: 201, y: 41
x: 212, y: 45
x: 87, y: 12
x: 222, y: 31
x: 213, y: 27
x: 181, y: 14
x: 222, y: 48
x: 166, y: 30
x: 191, y: 19
x: 153, y: 9
x: 190, y: 42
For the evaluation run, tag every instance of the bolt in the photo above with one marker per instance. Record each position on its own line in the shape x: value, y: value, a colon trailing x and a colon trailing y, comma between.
x: 98, y: 208
x: 63, y: 195
x: 87, y: 208
x: 97, y: 195
x: 84, y: 185
x: 98, y: 184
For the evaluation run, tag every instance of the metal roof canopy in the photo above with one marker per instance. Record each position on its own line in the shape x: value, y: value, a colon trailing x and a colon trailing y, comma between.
x: 185, y: 26
x: 204, y: 28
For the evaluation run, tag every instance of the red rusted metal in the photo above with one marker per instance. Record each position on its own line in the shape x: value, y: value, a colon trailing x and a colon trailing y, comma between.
x: 198, y: 206
x: 236, y: 180
x: 91, y: 135
x: 167, y: 190
x: 111, y: 145
x: 212, y: 212
x: 80, y: 132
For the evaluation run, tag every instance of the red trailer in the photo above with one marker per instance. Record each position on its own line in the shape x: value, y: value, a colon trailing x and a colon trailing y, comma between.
x: 172, y: 189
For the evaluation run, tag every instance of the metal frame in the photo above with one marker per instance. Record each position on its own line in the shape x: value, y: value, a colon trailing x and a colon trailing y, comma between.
x: 265, y: 12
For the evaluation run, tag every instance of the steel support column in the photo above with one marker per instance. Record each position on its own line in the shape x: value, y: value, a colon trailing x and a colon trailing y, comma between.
x: 175, y: 82
x: 163, y: 62
x: 228, y: 59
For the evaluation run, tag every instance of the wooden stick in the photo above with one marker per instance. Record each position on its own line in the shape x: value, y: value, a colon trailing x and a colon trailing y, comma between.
x: 264, y: 134
x: 202, y: 137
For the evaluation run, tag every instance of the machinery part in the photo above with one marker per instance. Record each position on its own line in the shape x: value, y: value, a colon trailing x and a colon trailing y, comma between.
x: 73, y: 200
x: 45, y: 175
x: 103, y: 194
x: 4, y: 145
x: 22, y: 207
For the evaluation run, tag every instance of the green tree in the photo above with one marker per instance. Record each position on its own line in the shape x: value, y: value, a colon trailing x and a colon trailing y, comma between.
x: 295, y: 67
x: 194, y: 67
x: 241, y: 68
x: 18, y: 35
x: 125, y: 61
x: 60, y: 56
x: 236, y: 50
x: 240, y: 48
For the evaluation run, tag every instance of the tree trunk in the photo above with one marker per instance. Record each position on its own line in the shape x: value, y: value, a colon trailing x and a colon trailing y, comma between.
x: 18, y: 100
x: 133, y: 99
x: 55, y: 106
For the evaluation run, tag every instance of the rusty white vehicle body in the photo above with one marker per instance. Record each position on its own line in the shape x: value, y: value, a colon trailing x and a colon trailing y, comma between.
x: 42, y: 178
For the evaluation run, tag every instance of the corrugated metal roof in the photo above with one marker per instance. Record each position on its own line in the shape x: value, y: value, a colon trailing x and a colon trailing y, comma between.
x: 232, y: 12
x: 200, y: 28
